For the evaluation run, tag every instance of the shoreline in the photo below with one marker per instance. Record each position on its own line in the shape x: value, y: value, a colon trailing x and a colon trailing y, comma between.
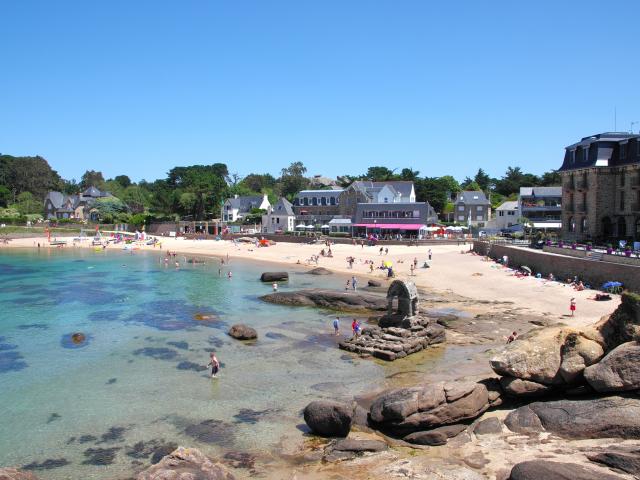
x: 452, y: 272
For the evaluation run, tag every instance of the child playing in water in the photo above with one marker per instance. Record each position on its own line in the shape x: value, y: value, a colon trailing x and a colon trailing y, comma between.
x: 214, y: 364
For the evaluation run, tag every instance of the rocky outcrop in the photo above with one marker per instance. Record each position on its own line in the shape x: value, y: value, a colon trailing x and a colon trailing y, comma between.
x: 544, y: 469
x: 348, y: 449
x: 627, y: 460
x: 403, y: 411
x: 618, y: 371
x: 274, y: 277
x: 346, y: 301
x: 517, y: 387
x: 560, y: 357
x: 437, y: 436
x: 617, y: 417
x: 186, y: 463
x: 394, y: 342
x: 374, y: 283
x: 488, y: 426
x: 328, y: 418
x: 242, y: 332
x: 15, y: 474
x: 320, y: 271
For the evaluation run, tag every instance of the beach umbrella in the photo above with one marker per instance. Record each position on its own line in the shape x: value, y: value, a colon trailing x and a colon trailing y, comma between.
x: 302, y: 225
x: 387, y: 264
x: 325, y: 227
x: 526, y: 269
x: 310, y: 227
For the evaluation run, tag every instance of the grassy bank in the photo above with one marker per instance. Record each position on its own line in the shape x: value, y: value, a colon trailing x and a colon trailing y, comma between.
x: 19, y: 231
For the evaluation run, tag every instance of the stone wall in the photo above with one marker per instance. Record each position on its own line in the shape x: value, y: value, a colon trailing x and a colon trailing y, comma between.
x: 591, y: 272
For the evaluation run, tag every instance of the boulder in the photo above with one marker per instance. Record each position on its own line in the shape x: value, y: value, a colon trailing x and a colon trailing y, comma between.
x: 578, y: 352
x: 242, y: 332
x: 348, y: 449
x: 328, y: 418
x: 374, y: 283
x: 320, y: 271
x: 623, y: 325
x: 488, y: 426
x: 425, y: 407
x: 340, y: 300
x: 274, y: 277
x: 544, y: 469
x: 625, y: 460
x: 15, y: 474
x: 435, y: 437
x: 517, y: 387
x: 617, y: 417
x: 618, y: 371
x: 186, y: 463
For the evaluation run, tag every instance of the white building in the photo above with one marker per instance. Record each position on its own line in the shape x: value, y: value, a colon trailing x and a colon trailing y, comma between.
x: 236, y: 208
x: 279, y: 217
x: 506, y: 215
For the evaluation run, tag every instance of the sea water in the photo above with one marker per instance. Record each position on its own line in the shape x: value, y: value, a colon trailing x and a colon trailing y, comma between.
x: 136, y: 384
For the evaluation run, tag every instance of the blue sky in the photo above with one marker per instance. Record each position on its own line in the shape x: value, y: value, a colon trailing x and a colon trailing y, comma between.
x: 137, y: 87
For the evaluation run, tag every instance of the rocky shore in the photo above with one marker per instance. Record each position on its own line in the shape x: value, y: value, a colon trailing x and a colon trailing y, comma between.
x: 586, y: 412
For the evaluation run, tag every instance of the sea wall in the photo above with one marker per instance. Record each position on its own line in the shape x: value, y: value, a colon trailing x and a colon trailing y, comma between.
x: 593, y: 272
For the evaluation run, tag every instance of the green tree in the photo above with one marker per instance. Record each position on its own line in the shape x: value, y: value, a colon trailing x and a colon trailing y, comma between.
x: 208, y: 184
x: 513, y: 179
x: 28, y: 174
x: 483, y: 180
x: 380, y: 174
x: 123, y: 180
x: 92, y: 178
x: 257, y: 182
x: 551, y: 179
x: 409, y: 174
x: 109, y: 208
x: 137, y: 198
x: 27, y: 203
x: 470, y: 185
x: 436, y: 190
x: 5, y: 196
x: 292, y: 180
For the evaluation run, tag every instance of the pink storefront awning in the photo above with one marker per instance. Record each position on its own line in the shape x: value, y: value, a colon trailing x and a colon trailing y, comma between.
x: 394, y: 226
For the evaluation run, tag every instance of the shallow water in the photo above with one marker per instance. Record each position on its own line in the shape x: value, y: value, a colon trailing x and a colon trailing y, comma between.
x: 78, y: 407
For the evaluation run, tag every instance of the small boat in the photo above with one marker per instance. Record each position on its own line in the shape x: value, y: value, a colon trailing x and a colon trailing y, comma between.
x: 58, y: 242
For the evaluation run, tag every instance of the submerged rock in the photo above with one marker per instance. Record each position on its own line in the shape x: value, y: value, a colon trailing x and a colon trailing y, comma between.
x: 320, y: 271
x: 242, y: 332
x: 274, y: 276
x: 349, y: 449
x: 186, y: 463
x: 328, y: 418
x: 15, y: 474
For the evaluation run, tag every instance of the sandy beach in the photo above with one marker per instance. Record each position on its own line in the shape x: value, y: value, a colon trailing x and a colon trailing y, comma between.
x: 452, y: 270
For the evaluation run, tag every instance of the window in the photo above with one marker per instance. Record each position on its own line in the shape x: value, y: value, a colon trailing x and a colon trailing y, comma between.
x: 621, y: 178
x: 306, y: 201
x: 572, y: 224
x: 584, y: 228
x: 278, y: 220
x: 479, y: 208
x: 323, y: 201
x: 621, y: 199
x: 314, y: 201
x: 332, y: 201
x: 586, y: 154
x: 386, y: 200
x: 461, y: 218
x: 461, y: 208
x: 479, y: 217
x: 501, y: 213
x: 572, y: 156
x: 511, y: 213
x: 623, y: 151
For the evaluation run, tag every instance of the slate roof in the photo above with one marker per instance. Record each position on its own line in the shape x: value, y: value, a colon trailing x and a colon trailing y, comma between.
x: 369, y: 188
x: 323, y: 193
x: 472, y: 198
x: 246, y: 203
x: 510, y: 205
x: 540, y: 191
x: 56, y: 198
x: 603, y: 151
x: 283, y: 207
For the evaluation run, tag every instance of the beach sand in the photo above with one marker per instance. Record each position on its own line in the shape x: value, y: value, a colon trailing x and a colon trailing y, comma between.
x: 453, y: 270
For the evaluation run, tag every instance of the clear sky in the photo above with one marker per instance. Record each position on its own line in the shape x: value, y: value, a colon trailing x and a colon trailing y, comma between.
x: 137, y: 87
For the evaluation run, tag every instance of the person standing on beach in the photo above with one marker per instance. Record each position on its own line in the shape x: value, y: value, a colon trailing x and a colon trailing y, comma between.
x: 275, y: 286
x: 354, y: 283
x: 353, y: 327
x: 336, y: 325
x: 429, y: 254
x: 214, y: 364
x: 572, y: 306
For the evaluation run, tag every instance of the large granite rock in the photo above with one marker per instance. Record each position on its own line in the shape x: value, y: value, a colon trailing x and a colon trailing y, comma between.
x: 328, y: 418
x: 320, y: 271
x: 186, y: 463
x: 15, y: 474
x: 242, y: 332
x: 618, y: 371
x: 392, y: 343
x: 274, y: 276
x: 403, y: 411
x: 341, y: 300
x: 546, y: 470
x: 437, y: 436
x: 517, y: 387
x: 625, y: 460
x: 617, y: 417
x: 349, y: 449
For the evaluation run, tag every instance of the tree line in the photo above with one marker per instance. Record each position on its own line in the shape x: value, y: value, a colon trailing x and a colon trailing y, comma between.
x: 198, y: 191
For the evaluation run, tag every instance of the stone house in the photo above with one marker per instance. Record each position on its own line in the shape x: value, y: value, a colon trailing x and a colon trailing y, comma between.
x: 279, y: 217
x: 57, y: 205
x: 316, y: 206
x: 601, y: 188
x: 506, y: 215
x: 542, y: 206
x: 364, y: 191
x: 473, y: 208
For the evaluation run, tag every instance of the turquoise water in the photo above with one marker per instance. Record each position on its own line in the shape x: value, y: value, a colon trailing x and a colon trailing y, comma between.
x: 135, y: 385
